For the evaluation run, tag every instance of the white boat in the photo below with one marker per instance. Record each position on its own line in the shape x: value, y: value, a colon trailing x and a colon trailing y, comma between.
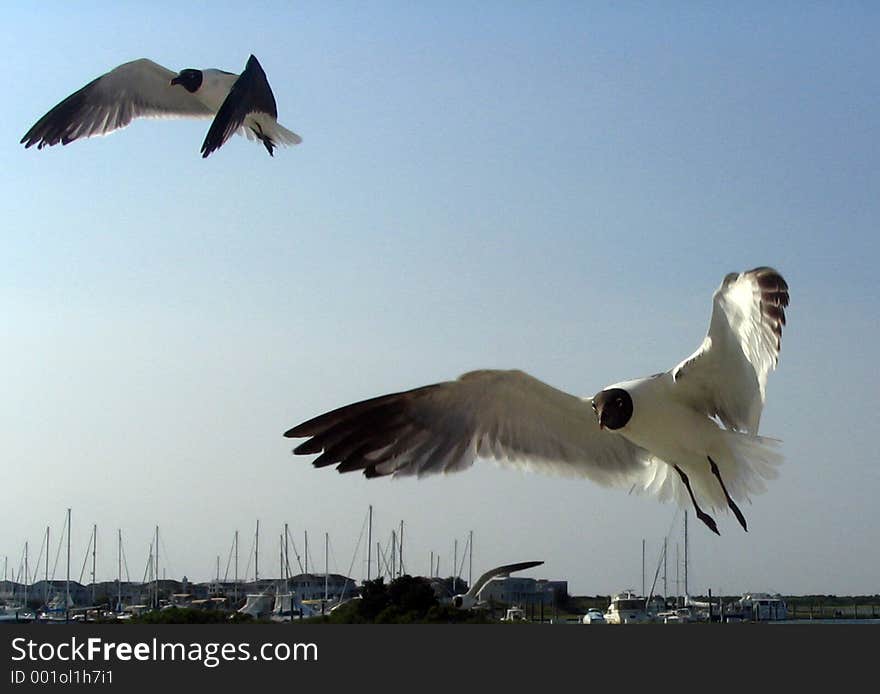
x: 514, y: 614
x: 627, y: 608
x: 682, y: 615
x: 594, y: 616
x: 761, y: 607
x: 258, y: 605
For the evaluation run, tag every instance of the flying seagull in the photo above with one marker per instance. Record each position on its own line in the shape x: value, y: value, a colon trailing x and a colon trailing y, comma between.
x: 687, y: 433
x: 143, y: 89
x: 465, y: 601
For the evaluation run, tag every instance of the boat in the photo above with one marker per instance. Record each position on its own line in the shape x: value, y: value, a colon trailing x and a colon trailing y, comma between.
x: 627, y: 608
x: 514, y: 614
x: 681, y: 615
x: 258, y: 605
x: 759, y: 607
x: 16, y: 613
x: 593, y: 616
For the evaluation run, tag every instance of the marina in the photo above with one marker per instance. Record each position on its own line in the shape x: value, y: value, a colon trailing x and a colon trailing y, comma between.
x: 285, y: 595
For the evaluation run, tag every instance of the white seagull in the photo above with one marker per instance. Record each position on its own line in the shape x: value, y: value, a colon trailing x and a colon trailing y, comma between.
x: 465, y: 601
x: 690, y: 432
x: 143, y: 89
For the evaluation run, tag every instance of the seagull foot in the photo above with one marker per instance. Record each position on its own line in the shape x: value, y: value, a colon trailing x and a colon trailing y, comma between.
x: 708, y: 520
x: 730, y: 502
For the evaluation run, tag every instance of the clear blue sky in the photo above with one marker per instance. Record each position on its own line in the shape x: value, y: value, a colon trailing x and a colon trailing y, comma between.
x: 557, y: 187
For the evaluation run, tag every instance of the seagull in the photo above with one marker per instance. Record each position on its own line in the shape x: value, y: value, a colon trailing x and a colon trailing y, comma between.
x: 687, y: 434
x: 465, y: 601
x: 141, y: 88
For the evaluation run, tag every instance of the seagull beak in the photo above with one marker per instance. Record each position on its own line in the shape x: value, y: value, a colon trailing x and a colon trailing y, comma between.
x: 175, y: 80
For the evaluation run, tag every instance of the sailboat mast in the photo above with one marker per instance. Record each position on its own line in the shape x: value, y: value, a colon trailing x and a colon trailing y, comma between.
x: 156, y: 568
x: 686, y: 554
x: 67, y: 590
x: 46, y: 576
x: 326, y: 563
x: 119, y: 571
x: 455, y: 565
x: 401, y: 548
x: 306, y: 534
x: 94, y: 543
x: 26, y: 580
x: 665, y: 586
x: 643, y: 566
x: 286, y: 553
x: 471, y: 563
x: 235, y: 590
x: 370, y: 542
x: 257, y: 553
x: 393, y: 554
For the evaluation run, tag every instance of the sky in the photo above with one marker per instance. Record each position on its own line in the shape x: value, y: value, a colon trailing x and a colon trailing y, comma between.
x: 556, y: 187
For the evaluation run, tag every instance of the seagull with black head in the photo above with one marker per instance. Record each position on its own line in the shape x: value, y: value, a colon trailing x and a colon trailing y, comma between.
x: 688, y: 434
x: 242, y: 104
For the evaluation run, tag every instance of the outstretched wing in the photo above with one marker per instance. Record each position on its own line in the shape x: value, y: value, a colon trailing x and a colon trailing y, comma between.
x: 727, y: 375
x: 251, y: 93
x: 140, y: 88
x: 506, y: 415
x: 500, y: 572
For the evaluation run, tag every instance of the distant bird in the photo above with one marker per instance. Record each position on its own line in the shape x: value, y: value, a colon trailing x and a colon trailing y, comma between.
x: 142, y: 89
x: 466, y: 601
x: 691, y: 429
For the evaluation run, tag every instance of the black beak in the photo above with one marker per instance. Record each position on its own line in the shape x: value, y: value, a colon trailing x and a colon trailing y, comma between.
x: 175, y: 80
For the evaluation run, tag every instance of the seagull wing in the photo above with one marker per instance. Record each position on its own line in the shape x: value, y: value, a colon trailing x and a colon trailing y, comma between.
x: 726, y: 376
x: 137, y: 89
x: 499, y: 572
x: 506, y: 415
x: 250, y: 93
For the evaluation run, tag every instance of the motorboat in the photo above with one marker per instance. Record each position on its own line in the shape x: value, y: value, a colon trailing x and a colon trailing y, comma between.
x: 594, y: 616
x: 627, y: 608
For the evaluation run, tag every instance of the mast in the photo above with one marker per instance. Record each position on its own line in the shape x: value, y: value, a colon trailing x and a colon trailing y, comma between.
x: 306, y: 534
x: 665, y: 586
x: 26, y: 581
x: 326, y: 563
x: 643, y: 566
x: 119, y: 571
x: 370, y: 542
x: 455, y: 566
x: 393, y: 555
x: 94, y: 543
x: 686, y: 554
x: 401, y: 548
x: 236, y: 566
x: 471, y: 565
x: 156, y: 569
x: 286, y: 553
x: 257, y: 553
x: 677, y: 574
x: 46, y: 577
x: 67, y: 598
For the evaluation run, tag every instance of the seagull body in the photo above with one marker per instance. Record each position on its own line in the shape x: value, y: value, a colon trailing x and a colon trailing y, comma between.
x: 688, y: 433
x: 143, y: 89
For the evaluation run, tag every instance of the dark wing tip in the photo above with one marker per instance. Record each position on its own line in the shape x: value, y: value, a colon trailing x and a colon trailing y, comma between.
x: 774, y: 299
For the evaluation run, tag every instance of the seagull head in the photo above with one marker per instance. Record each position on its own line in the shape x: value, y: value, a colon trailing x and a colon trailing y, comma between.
x: 189, y: 79
x: 613, y: 408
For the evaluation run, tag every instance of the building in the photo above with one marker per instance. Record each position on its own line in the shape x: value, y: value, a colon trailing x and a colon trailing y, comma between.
x: 518, y: 590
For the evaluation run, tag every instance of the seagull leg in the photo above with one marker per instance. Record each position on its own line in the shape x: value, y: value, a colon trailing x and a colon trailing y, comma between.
x: 730, y: 502
x: 703, y: 516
